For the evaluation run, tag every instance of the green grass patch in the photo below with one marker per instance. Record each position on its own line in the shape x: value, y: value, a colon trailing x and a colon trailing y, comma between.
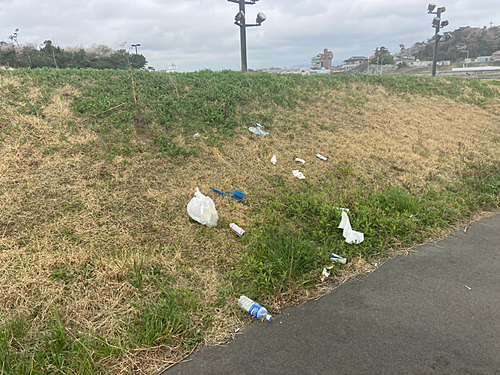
x: 292, y: 236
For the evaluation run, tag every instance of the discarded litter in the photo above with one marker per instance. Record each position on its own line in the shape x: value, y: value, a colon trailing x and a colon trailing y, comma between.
x: 254, y: 308
x: 236, y: 330
x: 273, y: 160
x: 324, y: 275
x: 468, y: 287
x: 240, y: 232
x: 258, y: 130
x: 197, y: 135
x: 337, y: 258
x: 321, y: 157
x: 300, y: 160
x: 238, y: 195
x: 202, y: 209
x: 350, y: 235
x: 298, y: 174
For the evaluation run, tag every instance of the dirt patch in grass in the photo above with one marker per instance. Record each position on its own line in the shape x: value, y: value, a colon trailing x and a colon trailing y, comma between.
x: 80, y: 232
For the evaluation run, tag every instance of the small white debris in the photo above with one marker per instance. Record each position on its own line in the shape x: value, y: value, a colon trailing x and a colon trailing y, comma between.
x: 321, y: 157
x: 298, y: 174
x: 324, y: 275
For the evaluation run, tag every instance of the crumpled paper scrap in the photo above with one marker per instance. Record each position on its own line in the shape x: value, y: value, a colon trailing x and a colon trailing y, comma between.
x: 273, y: 160
x: 350, y: 235
x: 298, y: 174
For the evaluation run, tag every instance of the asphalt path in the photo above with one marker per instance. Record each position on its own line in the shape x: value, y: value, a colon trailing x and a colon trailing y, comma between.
x: 435, y: 311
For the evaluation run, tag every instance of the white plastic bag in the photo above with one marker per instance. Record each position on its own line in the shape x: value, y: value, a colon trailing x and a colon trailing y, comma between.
x: 202, y: 209
x: 350, y: 235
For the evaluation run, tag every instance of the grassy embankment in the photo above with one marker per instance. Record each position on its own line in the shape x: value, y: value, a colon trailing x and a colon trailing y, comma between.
x: 101, y: 269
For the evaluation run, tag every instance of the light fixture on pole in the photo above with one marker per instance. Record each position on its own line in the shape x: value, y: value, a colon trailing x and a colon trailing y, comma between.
x: 135, y: 45
x: 437, y: 24
x: 240, y: 21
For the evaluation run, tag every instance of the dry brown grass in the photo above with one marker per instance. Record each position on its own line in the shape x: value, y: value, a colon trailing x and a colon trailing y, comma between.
x: 63, y: 209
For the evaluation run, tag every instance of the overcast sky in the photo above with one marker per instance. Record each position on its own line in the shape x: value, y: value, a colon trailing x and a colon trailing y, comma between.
x: 200, y: 34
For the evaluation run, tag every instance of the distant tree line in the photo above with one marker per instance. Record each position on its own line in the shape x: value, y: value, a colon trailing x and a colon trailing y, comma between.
x: 47, y: 55
x: 477, y: 41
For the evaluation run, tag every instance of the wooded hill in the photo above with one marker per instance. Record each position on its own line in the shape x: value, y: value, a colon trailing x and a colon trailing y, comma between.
x: 478, y: 41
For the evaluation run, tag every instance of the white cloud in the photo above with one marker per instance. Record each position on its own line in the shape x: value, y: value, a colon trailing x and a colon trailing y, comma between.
x: 199, y: 34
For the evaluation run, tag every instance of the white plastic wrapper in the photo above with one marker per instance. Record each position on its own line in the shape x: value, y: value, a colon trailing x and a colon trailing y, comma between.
x: 202, y: 209
x: 298, y: 174
x: 300, y: 160
x: 350, y: 235
x: 273, y: 160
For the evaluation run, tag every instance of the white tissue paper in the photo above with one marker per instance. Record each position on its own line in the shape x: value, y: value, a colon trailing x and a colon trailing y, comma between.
x: 298, y: 174
x: 300, y: 160
x: 350, y: 235
x: 273, y: 160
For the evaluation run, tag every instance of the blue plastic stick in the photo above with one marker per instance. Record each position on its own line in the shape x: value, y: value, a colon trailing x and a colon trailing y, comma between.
x: 238, y: 195
x: 220, y: 192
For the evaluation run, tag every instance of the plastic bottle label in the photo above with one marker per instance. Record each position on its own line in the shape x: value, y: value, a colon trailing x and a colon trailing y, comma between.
x: 254, y: 310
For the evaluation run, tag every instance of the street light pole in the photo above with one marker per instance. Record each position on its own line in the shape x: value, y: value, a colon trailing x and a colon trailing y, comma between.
x: 243, y: 37
x: 434, y: 56
x: 240, y: 20
x: 135, y: 45
x: 437, y: 24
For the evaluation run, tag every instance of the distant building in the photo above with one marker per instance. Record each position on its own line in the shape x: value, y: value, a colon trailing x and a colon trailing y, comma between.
x: 355, y: 60
x: 302, y: 70
x: 320, y: 71
x: 495, y: 56
x: 408, y: 60
x: 326, y: 59
x: 484, y: 59
x: 316, y: 62
x: 172, y: 69
x: 419, y: 63
x: 322, y: 60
